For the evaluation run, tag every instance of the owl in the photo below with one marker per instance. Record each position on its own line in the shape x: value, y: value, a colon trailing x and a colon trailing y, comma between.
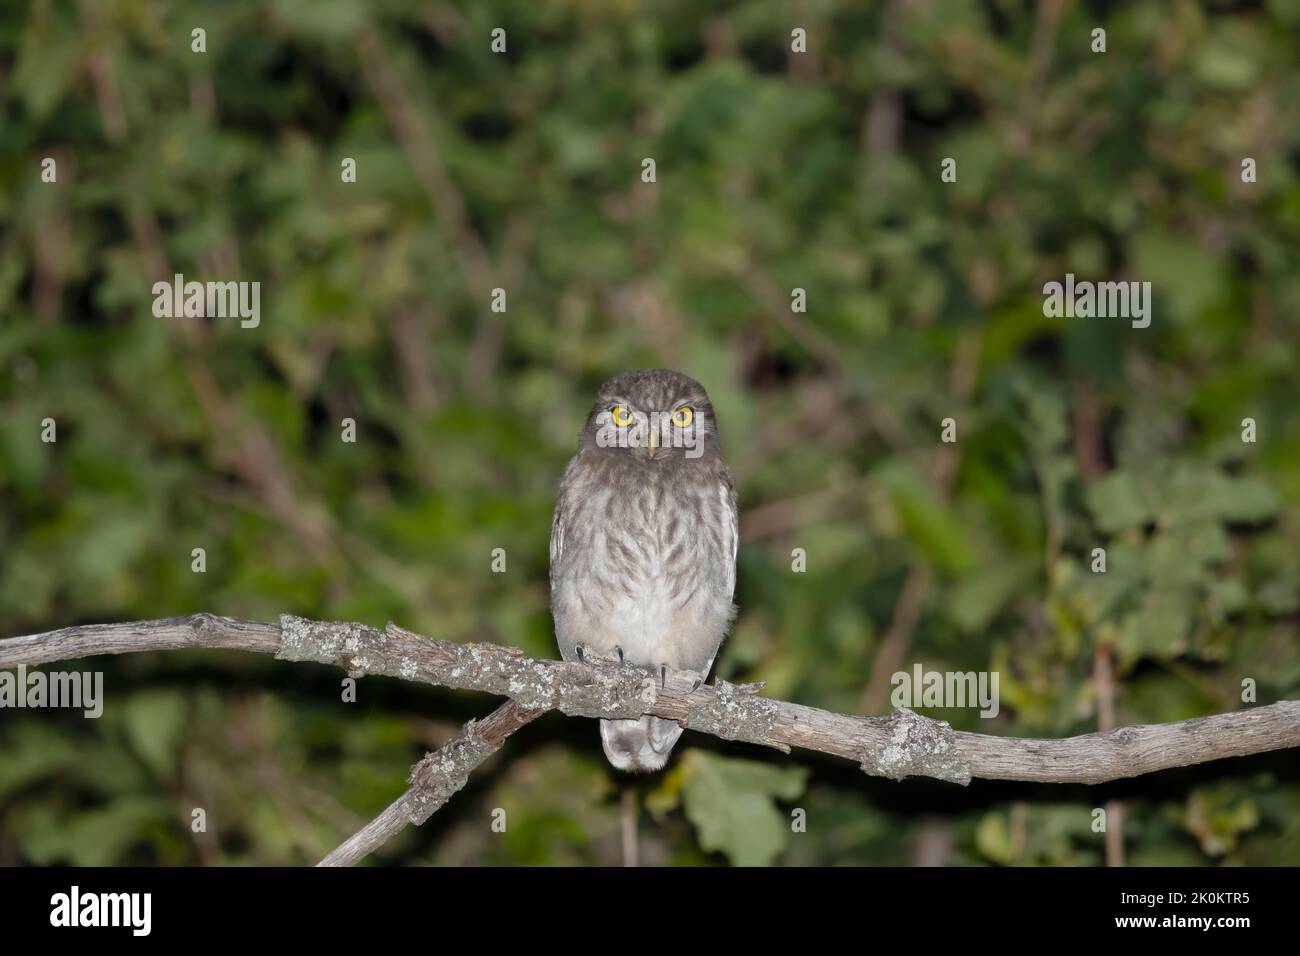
x: 643, y: 544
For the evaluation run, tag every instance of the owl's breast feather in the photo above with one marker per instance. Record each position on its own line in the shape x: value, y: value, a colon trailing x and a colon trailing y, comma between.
x: 647, y: 563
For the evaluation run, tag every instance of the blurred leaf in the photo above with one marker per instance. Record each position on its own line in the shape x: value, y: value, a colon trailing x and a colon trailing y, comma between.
x: 732, y: 804
x: 155, y: 723
x: 98, y: 837
x: 1117, y: 502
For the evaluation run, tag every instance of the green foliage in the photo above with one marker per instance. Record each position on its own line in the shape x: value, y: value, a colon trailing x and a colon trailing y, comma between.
x: 731, y: 804
x: 775, y: 171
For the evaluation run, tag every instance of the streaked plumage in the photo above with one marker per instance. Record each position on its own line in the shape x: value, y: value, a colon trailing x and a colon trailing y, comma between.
x: 643, y: 548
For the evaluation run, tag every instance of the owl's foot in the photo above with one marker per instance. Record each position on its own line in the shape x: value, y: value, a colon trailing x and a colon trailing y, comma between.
x: 599, y: 659
x: 697, y: 678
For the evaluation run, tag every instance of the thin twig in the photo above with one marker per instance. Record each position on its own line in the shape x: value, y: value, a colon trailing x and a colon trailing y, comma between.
x: 1089, y: 449
x: 434, y: 780
x: 627, y: 825
x: 1104, y: 678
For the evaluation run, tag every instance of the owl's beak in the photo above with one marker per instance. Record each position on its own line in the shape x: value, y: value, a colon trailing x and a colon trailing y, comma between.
x: 652, y: 445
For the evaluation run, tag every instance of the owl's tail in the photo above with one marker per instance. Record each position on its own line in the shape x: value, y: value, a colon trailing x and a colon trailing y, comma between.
x: 639, y: 745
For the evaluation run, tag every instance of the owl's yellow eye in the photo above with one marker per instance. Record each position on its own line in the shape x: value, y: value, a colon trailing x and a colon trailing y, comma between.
x: 683, y: 416
x: 622, y: 417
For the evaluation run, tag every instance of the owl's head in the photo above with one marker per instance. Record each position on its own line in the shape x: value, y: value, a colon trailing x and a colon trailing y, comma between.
x: 652, y: 415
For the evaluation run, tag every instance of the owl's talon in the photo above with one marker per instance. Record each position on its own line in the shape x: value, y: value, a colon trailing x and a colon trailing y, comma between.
x: 620, y: 653
x: 696, y: 685
x: 663, y: 676
x: 578, y: 648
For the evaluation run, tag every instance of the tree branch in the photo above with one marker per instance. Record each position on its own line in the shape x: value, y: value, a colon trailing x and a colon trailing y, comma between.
x: 898, y: 745
x: 434, y: 780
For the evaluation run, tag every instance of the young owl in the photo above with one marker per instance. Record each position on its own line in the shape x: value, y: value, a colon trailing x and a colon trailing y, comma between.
x: 643, y: 544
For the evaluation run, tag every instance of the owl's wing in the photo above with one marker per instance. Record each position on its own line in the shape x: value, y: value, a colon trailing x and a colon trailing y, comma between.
x: 558, y: 521
x: 730, y: 526
x: 557, y: 533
